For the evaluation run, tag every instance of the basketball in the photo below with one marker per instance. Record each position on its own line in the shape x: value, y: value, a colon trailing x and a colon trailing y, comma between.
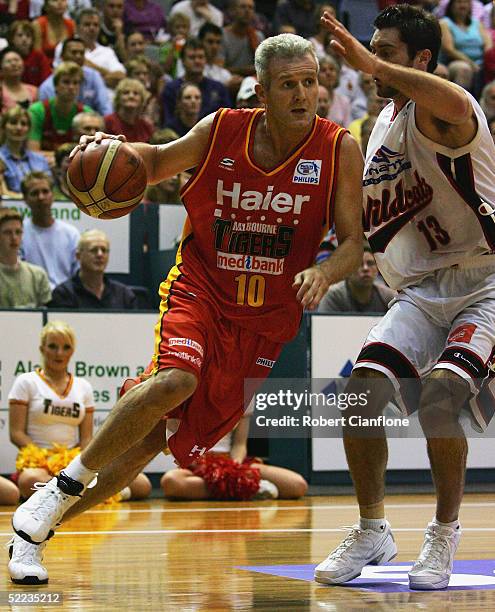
x: 107, y: 180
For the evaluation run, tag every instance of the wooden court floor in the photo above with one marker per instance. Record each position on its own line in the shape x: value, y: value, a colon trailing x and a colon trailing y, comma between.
x: 186, y: 557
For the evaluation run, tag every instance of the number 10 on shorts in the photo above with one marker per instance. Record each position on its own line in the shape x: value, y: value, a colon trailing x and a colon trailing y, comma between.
x: 250, y: 290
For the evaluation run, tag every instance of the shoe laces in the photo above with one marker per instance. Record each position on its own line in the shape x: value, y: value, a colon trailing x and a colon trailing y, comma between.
x: 31, y: 554
x: 354, y: 533
x: 435, y: 549
x: 48, y: 503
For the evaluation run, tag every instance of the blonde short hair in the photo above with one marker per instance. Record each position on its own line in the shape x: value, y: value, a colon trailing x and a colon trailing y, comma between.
x: 58, y: 327
x: 129, y: 83
x: 92, y: 234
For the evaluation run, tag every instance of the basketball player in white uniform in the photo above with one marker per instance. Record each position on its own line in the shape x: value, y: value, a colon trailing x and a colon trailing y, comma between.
x: 429, y: 215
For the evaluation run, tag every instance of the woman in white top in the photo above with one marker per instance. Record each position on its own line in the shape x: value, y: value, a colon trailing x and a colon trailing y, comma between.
x: 51, y: 406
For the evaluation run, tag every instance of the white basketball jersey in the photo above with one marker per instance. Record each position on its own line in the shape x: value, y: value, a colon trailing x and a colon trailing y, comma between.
x: 426, y: 206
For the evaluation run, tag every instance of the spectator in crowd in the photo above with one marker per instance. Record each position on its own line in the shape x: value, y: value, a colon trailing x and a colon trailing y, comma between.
x: 211, y: 37
x: 247, y: 96
x: 477, y: 8
x: 12, y: 90
x: 240, y: 38
x: 16, y: 160
x: 488, y: 19
x: 62, y: 159
x: 144, y: 16
x: 187, y: 109
x: 323, y: 102
x: 199, y: 13
x: 129, y: 102
x: 487, y: 99
x: 52, y: 119
x: 49, y: 407
x: 491, y: 125
x: 73, y: 7
x: 36, y: 65
x: 360, y: 292
x: 340, y: 107
x: 10, y: 12
x: 52, y: 27
x: 47, y: 242
x: 167, y: 191
x: 139, y: 68
x: 22, y: 285
x: 296, y: 13
x: 214, y: 94
x: 321, y: 39
x: 112, y: 27
x: 9, y: 493
x: 169, y: 53
x: 92, y: 92
x: 359, y: 103
x: 464, y: 42
x: 103, y: 59
x: 135, y: 45
x: 86, y: 124
x: 374, y: 107
x: 227, y: 473
x: 90, y: 287
x: 366, y: 129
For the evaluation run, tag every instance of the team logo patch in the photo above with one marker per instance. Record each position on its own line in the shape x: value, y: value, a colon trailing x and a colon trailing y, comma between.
x: 227, y: 163
x: 463, y: 333
x: 307, y: 171
x: 187, y: 342
x: 250, y: 263
x: 266, y: 363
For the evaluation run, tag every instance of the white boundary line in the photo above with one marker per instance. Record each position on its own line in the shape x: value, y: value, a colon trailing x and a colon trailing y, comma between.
x: 271, y: 506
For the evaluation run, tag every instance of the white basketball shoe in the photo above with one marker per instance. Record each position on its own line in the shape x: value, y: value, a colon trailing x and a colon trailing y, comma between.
x: 25, y: 565
x: 361, y: 547
x: 433, y: 568
x: 35, y: 518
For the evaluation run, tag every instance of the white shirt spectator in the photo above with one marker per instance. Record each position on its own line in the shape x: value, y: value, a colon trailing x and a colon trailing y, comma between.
x: 185, y: 7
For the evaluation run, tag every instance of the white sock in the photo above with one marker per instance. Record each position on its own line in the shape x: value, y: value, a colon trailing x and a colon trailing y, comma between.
x: 453, y: 525
x: 125, y: 494
x: 78, y: 471
x: 375, y: 524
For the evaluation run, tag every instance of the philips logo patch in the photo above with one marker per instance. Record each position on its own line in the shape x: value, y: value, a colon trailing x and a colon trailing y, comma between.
x: 266, y: 363
x: 307, y: 171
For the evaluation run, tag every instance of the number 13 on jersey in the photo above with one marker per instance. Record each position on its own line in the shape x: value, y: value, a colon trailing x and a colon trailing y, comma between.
x: 250, y: 290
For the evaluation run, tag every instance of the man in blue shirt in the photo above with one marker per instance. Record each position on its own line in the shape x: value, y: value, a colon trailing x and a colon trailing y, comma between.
x: 214, y: 94
x: 93, y: 91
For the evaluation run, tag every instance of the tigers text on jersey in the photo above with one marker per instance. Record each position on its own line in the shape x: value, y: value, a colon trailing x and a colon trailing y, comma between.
x: 426, y: 206
x: 250, y: 230
x: 53, y: 418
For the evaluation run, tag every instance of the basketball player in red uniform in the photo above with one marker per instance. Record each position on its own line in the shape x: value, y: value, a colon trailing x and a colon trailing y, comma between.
x: 268, y: 184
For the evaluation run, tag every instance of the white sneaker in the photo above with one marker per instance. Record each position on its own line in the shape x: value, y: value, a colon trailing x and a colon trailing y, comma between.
x: 35, y: 518
x: 267, y: 490
x: 433, y: 568
x: 361, y: 547
x: 25, y: 565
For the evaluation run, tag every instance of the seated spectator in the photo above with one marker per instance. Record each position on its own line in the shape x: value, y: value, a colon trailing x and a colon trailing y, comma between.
x: 199, y: 13
x: 374, y: 108
x: 22, y: 285
x: 477, y: 8
x: 36, y: 65
x: 92, y: 92
x: 112, y: 27
x: 167, y: 191
x: 144, y: 16
x: 135, y: 44
x: 139, y: 68
x: 52, y: 119
x: 211, y: 37
x: 240, y: 39
x: 226, y: 472
x: 12, y: 90
x: 9, y: 493
x: 50, y: 407
x: 12, y: 11
x: 73, y: 8
x: 247, y: 96
x: 62, y: 159
x: 464, y: 42
x: 52, y: 27
x: 491, y: 125
x: 360, y: 292
x: 366, y: 129
x: 214, y: 94
x: 169, y: 54
x: 323, y: 107
x: 129, y: 102
x: 296, y: 13
x: 322, y: 37
x: 86, y: 124
x: 359, y: 103
x: 47, y: 242
x: 487, y: 100
x: 187, y: 109
x: 90, y: 287
x: 340, y: 107
x: 16, y: 160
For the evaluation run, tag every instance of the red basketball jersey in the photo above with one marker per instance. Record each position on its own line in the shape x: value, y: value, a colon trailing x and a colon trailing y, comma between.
x: 250, y: 230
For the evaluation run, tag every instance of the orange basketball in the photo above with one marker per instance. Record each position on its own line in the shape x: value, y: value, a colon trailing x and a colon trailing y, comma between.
x: 107, y: 180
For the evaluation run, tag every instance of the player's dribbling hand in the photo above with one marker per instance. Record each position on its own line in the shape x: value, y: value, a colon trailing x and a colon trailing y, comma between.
x: 344, y: 43
x: 84, y: 141
x: 311, y: 285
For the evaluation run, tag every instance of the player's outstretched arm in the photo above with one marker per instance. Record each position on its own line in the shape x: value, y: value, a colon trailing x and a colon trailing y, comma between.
x: 313, y: 283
